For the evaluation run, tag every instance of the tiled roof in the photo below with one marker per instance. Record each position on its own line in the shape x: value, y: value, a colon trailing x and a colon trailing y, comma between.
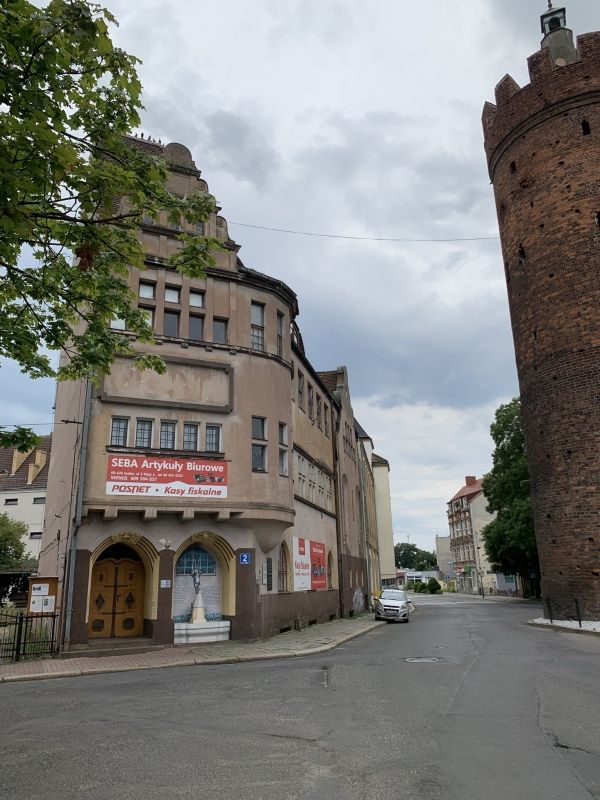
x: 329, y: 380
x: 360, y: 431
x: 18, y: 481
x: 470, y: 491
x: 379, y: 460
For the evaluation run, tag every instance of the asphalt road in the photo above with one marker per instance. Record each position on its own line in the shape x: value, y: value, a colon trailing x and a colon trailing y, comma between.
x: 505, y: 711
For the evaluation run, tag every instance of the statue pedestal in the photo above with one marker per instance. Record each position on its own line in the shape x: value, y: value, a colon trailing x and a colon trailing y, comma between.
x: 198, y: 615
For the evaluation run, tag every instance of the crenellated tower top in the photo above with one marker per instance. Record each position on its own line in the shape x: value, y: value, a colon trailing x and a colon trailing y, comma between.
x: 563, y: 75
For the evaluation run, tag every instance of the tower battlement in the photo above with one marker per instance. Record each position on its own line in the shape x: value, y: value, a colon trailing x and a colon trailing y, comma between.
x: 552, y: 90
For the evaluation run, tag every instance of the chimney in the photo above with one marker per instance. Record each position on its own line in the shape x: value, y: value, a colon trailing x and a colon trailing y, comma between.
x: 470, y: 480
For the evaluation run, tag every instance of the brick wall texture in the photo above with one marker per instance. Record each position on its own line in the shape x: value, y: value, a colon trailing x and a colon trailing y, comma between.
x: 543, y: 147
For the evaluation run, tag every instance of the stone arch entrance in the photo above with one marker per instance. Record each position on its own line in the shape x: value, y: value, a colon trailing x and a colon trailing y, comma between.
x: 117, y: 593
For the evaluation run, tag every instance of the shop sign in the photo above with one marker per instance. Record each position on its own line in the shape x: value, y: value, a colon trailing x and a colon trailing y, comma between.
x: 166, y: 477
x: 310, y: 564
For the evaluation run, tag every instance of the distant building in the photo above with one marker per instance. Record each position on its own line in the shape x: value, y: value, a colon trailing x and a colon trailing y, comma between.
x: 467, y: 517
x: 444, y: 557
x: 23, y: 480
x: 385, y: 532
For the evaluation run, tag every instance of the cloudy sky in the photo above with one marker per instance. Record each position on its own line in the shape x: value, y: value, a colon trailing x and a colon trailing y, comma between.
x: 360, y: 119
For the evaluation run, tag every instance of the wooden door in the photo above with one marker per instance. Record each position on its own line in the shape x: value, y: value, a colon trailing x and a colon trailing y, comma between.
x: 116, y: 598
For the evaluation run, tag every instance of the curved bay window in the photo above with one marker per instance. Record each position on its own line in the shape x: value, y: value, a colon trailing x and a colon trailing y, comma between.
x: 283, y: 569
x: 198, y: 561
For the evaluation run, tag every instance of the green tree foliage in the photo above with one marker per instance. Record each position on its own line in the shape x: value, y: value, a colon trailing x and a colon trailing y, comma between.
x: 12, y: 546
x: 433, y: 586
x: 411, y: 557
x: 510, y: 539
x: 73, y: 191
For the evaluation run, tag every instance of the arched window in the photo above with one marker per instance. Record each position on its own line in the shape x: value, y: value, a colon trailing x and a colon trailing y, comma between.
x: 197, y: 557
x: 329, y: 571
x: 282, y: 569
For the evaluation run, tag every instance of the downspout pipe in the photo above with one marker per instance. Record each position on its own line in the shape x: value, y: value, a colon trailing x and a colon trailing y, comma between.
x: 78, y: 510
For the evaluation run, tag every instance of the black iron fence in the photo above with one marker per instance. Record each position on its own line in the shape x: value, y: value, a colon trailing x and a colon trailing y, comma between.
x: 26, y: 636
x: 568, y: 610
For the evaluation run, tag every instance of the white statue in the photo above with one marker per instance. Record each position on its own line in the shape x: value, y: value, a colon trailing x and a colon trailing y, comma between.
x: 198, y: 615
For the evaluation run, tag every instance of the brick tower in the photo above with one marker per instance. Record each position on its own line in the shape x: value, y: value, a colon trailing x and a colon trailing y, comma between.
x: 543, y: 149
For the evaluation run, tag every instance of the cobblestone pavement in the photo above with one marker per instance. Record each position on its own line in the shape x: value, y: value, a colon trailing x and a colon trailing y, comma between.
x: 316, y: 639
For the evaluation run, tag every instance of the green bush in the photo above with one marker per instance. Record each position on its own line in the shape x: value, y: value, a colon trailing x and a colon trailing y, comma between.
x: 433, y: 586
x: 439, y: 591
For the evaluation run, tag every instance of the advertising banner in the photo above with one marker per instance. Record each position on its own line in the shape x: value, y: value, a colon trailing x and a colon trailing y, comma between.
x: 310, y: 564
x: 166, y: 477
x: 318, y: 566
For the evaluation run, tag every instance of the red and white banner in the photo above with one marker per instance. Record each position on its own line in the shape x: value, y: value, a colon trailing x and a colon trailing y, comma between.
x: 166, y: 477
x: 310, y: 565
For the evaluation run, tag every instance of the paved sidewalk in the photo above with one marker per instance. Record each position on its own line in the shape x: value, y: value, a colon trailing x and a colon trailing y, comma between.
x: 316, y: 639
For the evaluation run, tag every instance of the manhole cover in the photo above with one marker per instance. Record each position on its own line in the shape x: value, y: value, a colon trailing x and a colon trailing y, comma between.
x: 423, y: 660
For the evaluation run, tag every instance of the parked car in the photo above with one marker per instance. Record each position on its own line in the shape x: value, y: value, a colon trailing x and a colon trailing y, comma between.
x: 393, y: 605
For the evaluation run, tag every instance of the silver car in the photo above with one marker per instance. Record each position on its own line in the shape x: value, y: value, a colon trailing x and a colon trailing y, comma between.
x: 393, y: 605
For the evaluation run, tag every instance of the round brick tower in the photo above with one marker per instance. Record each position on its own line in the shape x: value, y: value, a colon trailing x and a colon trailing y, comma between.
x: 543, y: 148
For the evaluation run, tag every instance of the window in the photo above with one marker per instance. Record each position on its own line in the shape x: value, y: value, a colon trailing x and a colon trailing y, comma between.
x: 213, y: 438
x: 118, y: 432
x: 196, y: 559
x: 35, y: 535
x: 171, y: 323
x: 172, y: 294
x: 199, y: 229
x: 11, y: 501
x: 259, y: 428
x: 301, y: 390
x: 301, y: 469
x: 149, y: 314
x: 117, y: 324
x: 319, y: 413
x: 259, y: 458
x: 311, y: 402
x: 326, y: 420
x: 197, y: 299
x: 147, y: 290
x: 220, y: 331
x: 143, y: 433
x: 196, y: 328
x: 175, y: 226
x: 190, y: 436
x: 279, y: 334
x: 257, y: 326
x: 39, y: 501
x: 283, y: 461
x: 329, y: 571
x: 283, y: 449
x: 282, y: 569
x: 147, y: 219
x: 167, y: 435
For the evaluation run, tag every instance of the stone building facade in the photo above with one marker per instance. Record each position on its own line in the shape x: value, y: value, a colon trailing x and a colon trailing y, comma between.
x: 208, y: 502
x: 542, y: 143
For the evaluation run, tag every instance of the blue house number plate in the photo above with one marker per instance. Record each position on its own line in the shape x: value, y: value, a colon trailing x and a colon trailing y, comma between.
x: 245, y: 558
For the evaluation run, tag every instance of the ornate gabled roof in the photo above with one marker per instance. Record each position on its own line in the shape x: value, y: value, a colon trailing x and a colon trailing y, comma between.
x: 18, y: 480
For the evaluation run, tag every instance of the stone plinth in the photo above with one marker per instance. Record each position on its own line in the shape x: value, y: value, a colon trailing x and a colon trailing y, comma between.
x: 198, y: 633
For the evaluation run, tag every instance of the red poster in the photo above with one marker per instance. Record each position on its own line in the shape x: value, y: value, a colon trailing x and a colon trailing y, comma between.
x: 318, y: 566
x: 166, y: 477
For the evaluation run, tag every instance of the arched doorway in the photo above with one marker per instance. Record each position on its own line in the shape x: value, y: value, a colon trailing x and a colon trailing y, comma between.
x: 117, y: 594
x: 197, y: 560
